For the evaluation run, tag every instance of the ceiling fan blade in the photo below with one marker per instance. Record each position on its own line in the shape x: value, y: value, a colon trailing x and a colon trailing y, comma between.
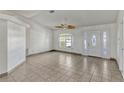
x: 71, y: 27
x: 59, y: 26
x: 65, y: 26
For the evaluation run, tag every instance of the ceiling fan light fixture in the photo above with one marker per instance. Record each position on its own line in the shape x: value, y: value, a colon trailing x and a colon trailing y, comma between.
x: 65, y: 26
x: 51, y: 11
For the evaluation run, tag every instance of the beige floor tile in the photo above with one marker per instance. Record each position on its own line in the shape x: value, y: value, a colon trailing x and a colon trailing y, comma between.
x: 96, y: 78
x: 65, y: 67
x: 104, y: 79
x: 86, y: 77
x: 7, y: 79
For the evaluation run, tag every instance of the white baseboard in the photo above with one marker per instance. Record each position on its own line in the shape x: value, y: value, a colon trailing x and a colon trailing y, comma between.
x: 40, y: 52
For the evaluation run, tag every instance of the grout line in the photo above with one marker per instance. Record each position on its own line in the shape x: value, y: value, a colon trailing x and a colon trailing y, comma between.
x: 91, y: 76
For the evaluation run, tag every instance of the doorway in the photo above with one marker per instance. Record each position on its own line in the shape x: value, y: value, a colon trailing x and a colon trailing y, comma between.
x: 96, y: 43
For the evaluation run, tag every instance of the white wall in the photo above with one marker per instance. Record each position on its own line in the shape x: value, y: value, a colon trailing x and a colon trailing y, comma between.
x: 120, y: 52
x: 113, y: 36
x: 39, y: 39
x: 3, y: 47
x: 77, y: 46
x: 16, y: 44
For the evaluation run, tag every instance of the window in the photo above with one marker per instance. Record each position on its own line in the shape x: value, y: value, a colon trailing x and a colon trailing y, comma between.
x: 65, y: 40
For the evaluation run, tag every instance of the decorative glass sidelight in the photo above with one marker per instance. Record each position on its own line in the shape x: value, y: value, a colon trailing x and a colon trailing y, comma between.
x: 93, y: 41
x: 104, y: 43
x: 85, y: 40
x: 85, y: 44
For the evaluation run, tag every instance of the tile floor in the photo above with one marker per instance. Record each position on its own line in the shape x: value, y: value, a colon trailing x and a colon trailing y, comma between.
x: 65, y: 67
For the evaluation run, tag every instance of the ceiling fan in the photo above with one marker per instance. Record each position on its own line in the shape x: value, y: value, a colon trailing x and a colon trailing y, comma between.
x: 65, y: 26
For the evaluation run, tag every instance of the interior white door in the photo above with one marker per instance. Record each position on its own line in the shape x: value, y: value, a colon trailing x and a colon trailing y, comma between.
x: 16, y: 45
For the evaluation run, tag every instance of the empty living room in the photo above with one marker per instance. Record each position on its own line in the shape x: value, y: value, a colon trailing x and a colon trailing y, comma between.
x: 61, y: 46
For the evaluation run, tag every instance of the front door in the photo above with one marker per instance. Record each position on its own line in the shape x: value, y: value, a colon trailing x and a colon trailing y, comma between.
x: 93, y: 43
x: 96, y: 43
